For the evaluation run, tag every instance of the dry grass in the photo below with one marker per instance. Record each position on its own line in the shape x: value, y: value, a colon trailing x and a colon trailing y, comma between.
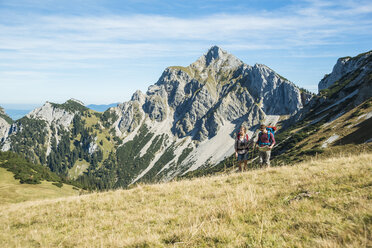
x: 12, y: 191
x: 346, y: 124
x: 315, y: 204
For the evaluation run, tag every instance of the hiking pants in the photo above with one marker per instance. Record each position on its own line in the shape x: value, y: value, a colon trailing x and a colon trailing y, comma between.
x: 264, y: 157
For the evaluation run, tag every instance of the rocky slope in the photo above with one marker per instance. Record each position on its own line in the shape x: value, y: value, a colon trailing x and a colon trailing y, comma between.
x: 337, y: 119
x: 339, y: 115
x: 185, y: 121
x: 5, y: 123
x: 349, y: 84
x: 360, y: 64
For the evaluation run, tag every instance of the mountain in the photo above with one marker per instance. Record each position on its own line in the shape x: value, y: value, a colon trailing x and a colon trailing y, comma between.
x: 191, y: 113
x: 354, y: 68
x: 349, y: 85
x: 182, y: 123
x: 101, y: 107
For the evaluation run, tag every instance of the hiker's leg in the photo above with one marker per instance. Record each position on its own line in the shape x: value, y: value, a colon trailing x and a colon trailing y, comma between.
x: 267, y: 158
x: 245, y: 164
x: 261, y: 156
x: 264, y: 158
x: 268, y: 153
x: 240, y: 161
x: 240, y: 165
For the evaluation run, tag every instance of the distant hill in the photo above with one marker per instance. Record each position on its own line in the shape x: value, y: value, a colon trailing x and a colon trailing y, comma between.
x: 17, y: 112
x: 322, y: 203
x: 102, y: 107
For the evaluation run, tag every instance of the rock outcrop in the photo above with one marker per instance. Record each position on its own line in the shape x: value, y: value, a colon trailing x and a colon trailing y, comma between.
x: 349, y: 84
x: 52, y: 115
x: 345, y: 66
x: 5, y: 124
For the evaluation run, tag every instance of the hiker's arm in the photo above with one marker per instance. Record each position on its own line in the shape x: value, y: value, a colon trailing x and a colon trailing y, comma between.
x: 257, y: 142
x: 236, y: 147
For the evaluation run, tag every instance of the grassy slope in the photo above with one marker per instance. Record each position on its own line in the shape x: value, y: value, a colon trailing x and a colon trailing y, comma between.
x: 352, y: 127
x: 107, y: 146
x: 11, y: 191
x: 325, y: 203
x: 102, y: 134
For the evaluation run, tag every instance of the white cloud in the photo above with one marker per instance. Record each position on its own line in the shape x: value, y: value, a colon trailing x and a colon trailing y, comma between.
x: 59, y: 38
x: 39, y: 44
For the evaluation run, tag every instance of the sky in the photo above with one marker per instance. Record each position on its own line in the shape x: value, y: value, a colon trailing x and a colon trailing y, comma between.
x: 102, y: 51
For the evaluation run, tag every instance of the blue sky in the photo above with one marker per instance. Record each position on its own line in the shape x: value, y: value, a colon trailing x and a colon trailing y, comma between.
x: 102, y: 51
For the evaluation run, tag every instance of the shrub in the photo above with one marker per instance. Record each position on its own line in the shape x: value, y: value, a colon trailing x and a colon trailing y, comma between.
x: 58, y: 184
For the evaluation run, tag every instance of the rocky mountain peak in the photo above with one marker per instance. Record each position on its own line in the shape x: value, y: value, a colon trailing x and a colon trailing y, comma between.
x: 217, y: 59
x: 214, y: 53
x: 59, y: 114
x: 138, y: 96
x: 75, y: 100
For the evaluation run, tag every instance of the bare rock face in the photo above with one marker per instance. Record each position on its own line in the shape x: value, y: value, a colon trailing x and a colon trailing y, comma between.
x: 215, y: 89
x: 346, y: 87
x: 4, y: 124
x: 344, y: 66
x: 52, y: 115
x: 350, y: 80
x: 50, y: 118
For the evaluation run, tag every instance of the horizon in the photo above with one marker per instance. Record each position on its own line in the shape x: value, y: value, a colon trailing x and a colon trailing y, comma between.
x: 101, y: 52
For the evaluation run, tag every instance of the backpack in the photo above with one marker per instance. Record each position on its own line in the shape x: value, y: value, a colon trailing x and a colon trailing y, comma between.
x: 246, y: 136
x: 244, y: 144
x: 270, y: 129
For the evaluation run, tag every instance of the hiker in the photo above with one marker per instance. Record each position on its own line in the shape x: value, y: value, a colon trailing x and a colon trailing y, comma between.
x: 241, y: 148
x: 265, y: 143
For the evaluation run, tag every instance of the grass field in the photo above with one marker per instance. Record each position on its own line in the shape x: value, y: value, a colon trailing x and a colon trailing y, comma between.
x: 11, y: 191
x: 321, y: 203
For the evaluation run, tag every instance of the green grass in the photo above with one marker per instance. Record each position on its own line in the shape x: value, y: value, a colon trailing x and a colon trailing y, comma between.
x: 102, y: 134
x: 12, y: 191
x: 79, y: 167
x: 70, y: 106
x: 184, y: 69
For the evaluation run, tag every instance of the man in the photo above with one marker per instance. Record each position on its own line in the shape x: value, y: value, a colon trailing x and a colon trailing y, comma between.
x: 265, y: 143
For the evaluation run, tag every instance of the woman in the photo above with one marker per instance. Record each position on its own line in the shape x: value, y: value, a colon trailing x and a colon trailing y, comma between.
x: 241, y: 148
